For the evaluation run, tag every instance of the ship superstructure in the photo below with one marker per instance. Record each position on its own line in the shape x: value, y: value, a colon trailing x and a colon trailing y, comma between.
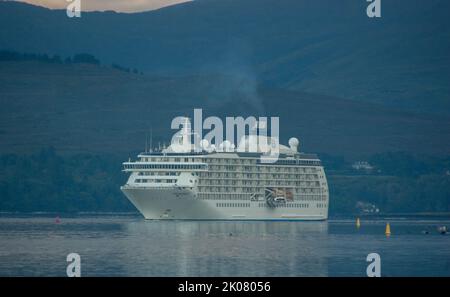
x: 226, y: 183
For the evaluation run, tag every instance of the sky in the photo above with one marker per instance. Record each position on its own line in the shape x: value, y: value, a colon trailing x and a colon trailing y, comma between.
x: 116, y: 5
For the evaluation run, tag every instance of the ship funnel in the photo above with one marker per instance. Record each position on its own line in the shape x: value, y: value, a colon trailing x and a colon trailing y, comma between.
x: 186, y: 133
x: 181, y: 141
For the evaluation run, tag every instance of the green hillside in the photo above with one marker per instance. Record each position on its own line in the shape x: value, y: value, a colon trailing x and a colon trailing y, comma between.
x: 96, y: 108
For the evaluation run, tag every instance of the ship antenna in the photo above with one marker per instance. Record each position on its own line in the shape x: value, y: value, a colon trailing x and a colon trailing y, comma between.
x: 151, y: 139
x: 146, y: 144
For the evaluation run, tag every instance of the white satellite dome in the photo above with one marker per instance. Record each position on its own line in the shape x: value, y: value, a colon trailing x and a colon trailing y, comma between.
x: 293, y: 144
x: 226, y: 145
x: 204, y: 144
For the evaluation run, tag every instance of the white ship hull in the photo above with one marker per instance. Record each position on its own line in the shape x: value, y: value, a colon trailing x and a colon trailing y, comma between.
x: 176, y: 204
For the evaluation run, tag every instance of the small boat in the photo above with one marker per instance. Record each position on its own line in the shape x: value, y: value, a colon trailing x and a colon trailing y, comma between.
x: 443, y: 230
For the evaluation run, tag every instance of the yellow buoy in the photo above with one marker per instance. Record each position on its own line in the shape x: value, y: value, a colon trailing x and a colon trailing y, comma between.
x: 388, y: 229
x: 358, y: 223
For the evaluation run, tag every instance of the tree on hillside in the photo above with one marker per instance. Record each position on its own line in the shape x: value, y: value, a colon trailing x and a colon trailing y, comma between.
x: 85, y: 58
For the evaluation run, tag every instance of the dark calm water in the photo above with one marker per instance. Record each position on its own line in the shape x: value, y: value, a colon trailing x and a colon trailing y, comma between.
x: 131, y: 246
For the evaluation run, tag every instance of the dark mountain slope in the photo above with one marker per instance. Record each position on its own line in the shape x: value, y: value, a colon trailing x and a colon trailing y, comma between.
x: 323, y: 47
x: 81, y: 107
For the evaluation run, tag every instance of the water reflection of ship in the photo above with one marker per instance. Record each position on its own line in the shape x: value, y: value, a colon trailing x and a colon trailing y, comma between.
x: 195, y: 248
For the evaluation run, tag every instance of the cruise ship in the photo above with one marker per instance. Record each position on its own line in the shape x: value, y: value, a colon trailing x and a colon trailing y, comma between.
x: 227, y: 183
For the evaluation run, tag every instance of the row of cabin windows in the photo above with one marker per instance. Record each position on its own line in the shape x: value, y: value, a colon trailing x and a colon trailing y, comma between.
x: 286, y: 205
x: 231, y: 161
x: 240, y: 196
x: 169, y: 159
x: 166, y: 166
x: 312, y: 197
x: 208, y: 188
x: 260, y: 175
x: 268, y: 169
x: 207, y: 160
x: 223, y: 196
x: 218, y: 182
x: 295, y: 162
x: 233, y: 204
x: 167, y: 181
x: 157, y: 173
x: 228, y: 161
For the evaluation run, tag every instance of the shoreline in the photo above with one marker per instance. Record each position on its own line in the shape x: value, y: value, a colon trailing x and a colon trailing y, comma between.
x: 379, y: 216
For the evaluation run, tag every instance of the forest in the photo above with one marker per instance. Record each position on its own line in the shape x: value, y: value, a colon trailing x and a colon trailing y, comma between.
x: 50, y: 182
